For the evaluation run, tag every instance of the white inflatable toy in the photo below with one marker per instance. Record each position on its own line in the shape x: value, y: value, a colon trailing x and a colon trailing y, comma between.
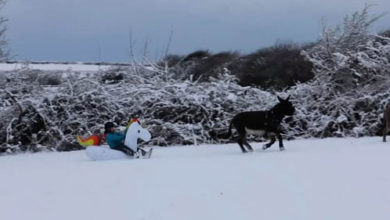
x: 103, y: 152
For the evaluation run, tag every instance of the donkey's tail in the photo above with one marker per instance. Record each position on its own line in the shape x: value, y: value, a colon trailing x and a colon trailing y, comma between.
x: 230, y: 129
x: 227, y: 135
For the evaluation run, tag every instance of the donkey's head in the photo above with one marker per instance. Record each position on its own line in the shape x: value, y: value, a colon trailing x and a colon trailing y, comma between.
x: 285, y: 106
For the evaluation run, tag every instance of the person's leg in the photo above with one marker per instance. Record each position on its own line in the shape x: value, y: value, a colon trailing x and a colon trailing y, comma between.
x: 143, y: 152
x: 124, y: 149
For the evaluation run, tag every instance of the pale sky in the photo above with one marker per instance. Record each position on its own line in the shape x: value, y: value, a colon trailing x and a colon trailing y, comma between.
x: 98, y: 30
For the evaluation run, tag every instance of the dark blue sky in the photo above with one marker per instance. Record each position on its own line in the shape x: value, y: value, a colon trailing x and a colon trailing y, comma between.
x: 98, y: 30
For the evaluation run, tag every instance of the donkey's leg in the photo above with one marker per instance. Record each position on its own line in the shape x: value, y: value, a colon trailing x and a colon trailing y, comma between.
x: 273, y: 139
x: 385, y: 133
x: 247, y: 144
x: 241, y: 137
x: 281, y: 147
x: 240, y: 142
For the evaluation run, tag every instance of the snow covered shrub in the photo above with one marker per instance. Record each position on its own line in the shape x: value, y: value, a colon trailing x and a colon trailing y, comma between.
x: 276, y: 67
x: 112, y: 76
x: 351, y: 36
x: 202, y: 65
x: 350, y: 88
x: 175, y: 111
x: 31, y: 76
x: 349, y: 57
x: 170, y: 60
x: 51, y: 78
x: 212, y: 66
x: 385, y: 33
x: 197, y: 55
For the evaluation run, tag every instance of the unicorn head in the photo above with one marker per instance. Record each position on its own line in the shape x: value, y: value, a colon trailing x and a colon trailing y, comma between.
x: 135, y: 131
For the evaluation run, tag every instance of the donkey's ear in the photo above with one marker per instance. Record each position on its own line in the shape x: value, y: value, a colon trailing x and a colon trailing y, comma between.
x: 288, y: 98
x: 280, y: 99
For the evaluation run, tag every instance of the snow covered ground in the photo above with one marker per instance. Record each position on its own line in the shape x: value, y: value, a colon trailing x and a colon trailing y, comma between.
x: 313, y: 179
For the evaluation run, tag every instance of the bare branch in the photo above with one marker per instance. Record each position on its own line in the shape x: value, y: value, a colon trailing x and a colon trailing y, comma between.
x: 169, y: 43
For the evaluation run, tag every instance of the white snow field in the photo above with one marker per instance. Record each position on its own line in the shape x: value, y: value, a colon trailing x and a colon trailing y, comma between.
x: 344, y: 178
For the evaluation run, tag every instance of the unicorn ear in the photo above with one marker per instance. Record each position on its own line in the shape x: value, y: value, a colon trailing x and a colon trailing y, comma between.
x: 280, y: 99
x: 288, y: 97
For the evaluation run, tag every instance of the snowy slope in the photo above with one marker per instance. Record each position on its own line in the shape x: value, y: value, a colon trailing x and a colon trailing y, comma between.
x: 313, y: 179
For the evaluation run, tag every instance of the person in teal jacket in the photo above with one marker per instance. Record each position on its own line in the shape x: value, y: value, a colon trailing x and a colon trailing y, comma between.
x: 116, y: 140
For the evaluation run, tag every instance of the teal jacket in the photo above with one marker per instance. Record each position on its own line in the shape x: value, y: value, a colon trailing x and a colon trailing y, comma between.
x: 115, y: 139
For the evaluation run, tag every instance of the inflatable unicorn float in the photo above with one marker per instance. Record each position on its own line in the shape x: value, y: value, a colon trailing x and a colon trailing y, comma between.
x: 96, y: 151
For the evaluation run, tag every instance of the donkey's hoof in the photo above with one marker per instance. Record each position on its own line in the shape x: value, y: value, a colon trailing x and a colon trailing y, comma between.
x: 264, y: 147
x: 281, y: 148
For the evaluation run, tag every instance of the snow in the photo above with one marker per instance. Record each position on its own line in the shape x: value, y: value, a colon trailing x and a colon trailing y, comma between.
x: 344, y: 178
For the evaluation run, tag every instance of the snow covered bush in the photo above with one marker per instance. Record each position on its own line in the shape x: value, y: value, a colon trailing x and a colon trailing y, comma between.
x: 385, y: 33
x: 199, y: 65
x: 175, y: 111
x: 276, y: 67
x: 350, y: 88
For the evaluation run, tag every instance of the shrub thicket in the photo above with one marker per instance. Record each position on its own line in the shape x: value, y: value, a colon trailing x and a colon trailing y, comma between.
x: 385, y: 33
x: 277, y: 67
x: 202, y: 65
